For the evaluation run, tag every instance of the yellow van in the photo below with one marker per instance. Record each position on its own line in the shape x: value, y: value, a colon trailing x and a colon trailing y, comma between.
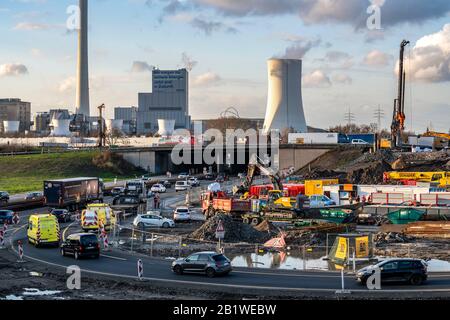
x: 95, y: 215
x: 43, y: 229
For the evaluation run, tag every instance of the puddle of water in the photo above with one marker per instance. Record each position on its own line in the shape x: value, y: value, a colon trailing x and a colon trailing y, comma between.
x: 13, y: 298
x: 286, y: 261
x: 37, y: 292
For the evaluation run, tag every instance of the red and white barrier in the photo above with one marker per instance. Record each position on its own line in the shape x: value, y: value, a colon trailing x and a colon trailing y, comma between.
x: 16, y: 219
x: 5, y: 228
x: 20, y: 249
x: 2, y: 240
x: 140, y: 268
x: 105, y: 241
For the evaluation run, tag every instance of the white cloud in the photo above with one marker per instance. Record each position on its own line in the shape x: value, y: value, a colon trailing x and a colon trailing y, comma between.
x: 430, y: 57
x: 67, y: 84
x: 316, y: 79
x: 342, y: 79
x: 376, y: 58
x: 141, y: 66
x: 30, y: 26
x: 12, y: 69
x: 207, y: 79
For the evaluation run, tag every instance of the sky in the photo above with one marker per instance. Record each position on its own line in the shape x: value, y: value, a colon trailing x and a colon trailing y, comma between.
x: 348, y: 64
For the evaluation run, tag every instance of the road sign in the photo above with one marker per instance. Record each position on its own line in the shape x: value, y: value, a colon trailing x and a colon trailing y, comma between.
x: 220, y: 231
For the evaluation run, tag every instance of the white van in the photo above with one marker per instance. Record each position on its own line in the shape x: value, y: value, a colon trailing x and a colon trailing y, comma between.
x: 182, y: 186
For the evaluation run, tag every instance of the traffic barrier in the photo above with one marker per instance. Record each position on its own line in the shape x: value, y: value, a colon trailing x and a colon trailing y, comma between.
x: 105, y: 241
x: 5, y: 228
x: 2, y: 240
x: 20, y: 250
x: 16, y: 219
x: 140, y: 268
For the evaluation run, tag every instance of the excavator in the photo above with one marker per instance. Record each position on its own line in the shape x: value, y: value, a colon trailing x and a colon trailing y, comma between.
x: 276, y: 196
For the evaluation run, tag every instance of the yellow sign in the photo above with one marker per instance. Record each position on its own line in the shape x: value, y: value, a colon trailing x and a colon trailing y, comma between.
x: 362, y: 247
x: 341, y: 251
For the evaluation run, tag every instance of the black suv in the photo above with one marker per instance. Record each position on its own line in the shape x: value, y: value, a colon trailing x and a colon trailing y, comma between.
x: 81, y: 245
x: 413, y: 271
x: 4, y: 197
x: 209, y: 263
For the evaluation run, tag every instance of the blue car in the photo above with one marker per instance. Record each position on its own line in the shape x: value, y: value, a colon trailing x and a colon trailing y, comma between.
x: 6, y: 216
x: 319, y: 201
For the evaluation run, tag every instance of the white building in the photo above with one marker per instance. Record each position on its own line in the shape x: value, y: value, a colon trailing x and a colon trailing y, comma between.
x: 285, y: 102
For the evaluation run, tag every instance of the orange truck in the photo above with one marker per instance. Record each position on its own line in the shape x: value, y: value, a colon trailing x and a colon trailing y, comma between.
x: 217, y: 202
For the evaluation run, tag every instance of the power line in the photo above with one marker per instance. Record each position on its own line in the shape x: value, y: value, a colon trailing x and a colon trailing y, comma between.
x: 379, y: 114
x: 349, y: 117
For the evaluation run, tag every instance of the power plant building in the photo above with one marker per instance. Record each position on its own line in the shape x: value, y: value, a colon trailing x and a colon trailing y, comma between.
x: 285, y: 102
x: 129, y: 117
x: 15, y: 110
x: 169, y: 100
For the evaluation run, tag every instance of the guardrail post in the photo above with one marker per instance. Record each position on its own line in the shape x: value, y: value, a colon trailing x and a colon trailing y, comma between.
x: 132, y: 238
x: 304, y: 257
x: 151, y: 246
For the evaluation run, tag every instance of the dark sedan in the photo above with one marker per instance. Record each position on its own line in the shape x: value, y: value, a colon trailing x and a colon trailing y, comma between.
x: 62, y: 215
x: 6, y: 216
x: 4, y: 197
x: 209, y: 263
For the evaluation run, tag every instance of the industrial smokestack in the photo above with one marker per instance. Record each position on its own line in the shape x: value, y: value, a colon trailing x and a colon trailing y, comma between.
x: 285, y: 102
x: 82, y: 102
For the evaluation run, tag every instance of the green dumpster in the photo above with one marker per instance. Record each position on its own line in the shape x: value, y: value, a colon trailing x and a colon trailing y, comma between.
x: 405, y: 216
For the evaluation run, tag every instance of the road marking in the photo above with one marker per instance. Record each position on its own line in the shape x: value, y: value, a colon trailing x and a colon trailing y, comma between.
x: 290, y: 275
x: 112, y: 257
x: 240, y: 286
x: 65, y: 231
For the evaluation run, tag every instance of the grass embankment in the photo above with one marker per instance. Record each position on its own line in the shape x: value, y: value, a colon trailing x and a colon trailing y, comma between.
x: 20, y: 174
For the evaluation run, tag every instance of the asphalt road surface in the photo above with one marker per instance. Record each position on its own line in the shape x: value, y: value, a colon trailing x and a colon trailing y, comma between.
x: 123, y: 265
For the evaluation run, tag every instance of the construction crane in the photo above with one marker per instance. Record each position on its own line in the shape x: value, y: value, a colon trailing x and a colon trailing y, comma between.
x: 101, y: 131
x: 398, y: 119
x: 439, y: 135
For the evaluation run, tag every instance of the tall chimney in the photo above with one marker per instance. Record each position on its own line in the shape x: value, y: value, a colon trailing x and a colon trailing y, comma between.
x: 82, y: 102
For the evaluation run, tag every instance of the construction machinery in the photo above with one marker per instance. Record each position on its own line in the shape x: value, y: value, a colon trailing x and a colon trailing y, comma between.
x: 443, y: 137
x: 398, y: 119
x: 441, y: 178
x: 275, y: 197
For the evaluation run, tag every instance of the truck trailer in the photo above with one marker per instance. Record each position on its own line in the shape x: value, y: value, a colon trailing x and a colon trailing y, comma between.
x: 74, y: 193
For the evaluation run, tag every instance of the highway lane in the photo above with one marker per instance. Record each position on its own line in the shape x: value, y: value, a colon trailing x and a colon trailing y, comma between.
x: 123, y: 265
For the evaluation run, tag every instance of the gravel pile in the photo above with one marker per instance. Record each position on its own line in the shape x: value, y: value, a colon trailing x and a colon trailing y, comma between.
x: 234, y: 231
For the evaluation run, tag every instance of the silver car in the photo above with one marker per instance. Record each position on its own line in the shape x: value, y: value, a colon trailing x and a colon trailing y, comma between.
x: 209, y: 263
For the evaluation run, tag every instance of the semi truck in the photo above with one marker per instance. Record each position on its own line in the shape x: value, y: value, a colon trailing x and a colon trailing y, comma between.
x: 72, y: 194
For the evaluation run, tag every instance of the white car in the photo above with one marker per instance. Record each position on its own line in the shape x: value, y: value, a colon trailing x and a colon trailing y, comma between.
x: 152, y: 220
x: 182, y: 214
x: 158, y: 188
x: 182, y: 186
x: 183, y: 176
x: 194, y: 182
x: 359, y: 142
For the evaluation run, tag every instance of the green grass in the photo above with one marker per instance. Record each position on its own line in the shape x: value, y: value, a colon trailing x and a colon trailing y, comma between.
x: 19, y: 174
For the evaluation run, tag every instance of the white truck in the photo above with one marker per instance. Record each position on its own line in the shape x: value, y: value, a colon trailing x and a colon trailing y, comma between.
x: 313, y: 138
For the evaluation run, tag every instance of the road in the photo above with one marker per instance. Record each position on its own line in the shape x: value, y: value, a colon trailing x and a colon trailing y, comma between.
x: 119, y: 264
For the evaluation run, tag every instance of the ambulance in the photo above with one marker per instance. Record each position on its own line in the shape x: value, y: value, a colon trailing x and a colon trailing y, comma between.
x: 43, y: 229
x: 96, y: 215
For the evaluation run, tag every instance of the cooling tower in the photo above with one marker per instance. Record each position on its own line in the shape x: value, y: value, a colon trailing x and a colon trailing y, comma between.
x: 285, y: 103
x: 11, y: 126
x: 114, y: 125
x: 60, y: 128
x: 166, y: 127
x: 82, y: 102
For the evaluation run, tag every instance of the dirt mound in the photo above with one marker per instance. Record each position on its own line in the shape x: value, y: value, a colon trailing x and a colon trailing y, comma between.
x: 234, y: 231
x: 267, y: 227
x: 351, y: 165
